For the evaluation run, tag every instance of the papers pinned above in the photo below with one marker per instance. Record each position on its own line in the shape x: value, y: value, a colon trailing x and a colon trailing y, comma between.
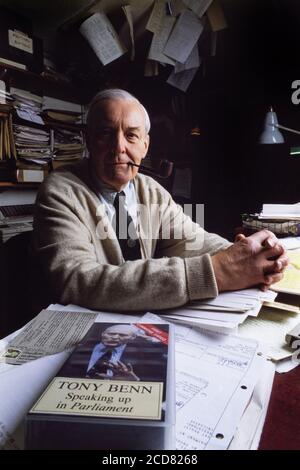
x: 102, y: 37
x: 192, y: 62
x: 184, y: 36
x: 225, y: 312
x: 174, y: 43
x: 199, y: 7
x: 216, y: 16
x: 156, y: 17
x: 182, y: 80
x: 128, y: 14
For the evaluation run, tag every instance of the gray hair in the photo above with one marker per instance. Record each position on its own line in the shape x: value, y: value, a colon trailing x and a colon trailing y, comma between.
x: 116, y: 94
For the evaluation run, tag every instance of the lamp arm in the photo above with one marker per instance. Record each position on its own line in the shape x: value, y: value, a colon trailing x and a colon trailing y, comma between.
x: 287, y: 128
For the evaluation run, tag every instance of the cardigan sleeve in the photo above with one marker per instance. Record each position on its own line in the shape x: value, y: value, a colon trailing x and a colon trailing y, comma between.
x: 67, y: 256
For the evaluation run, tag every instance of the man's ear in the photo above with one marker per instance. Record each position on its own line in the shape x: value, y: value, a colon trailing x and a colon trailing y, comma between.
x: 146, y: 144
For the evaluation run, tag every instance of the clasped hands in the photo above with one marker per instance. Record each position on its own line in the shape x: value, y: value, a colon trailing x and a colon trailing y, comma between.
x: 120, y: 371
x: 257, y: 260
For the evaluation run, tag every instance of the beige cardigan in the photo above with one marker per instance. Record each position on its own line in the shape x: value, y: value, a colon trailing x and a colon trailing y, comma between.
x: 76, y: 266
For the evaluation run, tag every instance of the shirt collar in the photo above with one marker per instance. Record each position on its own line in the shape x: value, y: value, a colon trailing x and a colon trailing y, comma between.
x: 108, y: 193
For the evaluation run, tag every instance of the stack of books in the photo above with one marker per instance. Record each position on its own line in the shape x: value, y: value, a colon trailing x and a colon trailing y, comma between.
x: 281, y: 219
x: 68, y: 147
x: 16, y: 213
x: 32, y: 139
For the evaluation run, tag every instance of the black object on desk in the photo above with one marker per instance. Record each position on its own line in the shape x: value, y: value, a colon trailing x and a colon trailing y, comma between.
x: 15, y: 272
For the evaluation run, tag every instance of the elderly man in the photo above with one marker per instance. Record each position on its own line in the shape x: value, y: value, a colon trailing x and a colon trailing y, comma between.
x: 106, y: 359
x: 163, y: 259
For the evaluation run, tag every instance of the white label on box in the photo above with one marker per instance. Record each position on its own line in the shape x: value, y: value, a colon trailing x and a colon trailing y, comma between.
x: 106, y: 398
x: 20, y: 41
x: 30, y: 176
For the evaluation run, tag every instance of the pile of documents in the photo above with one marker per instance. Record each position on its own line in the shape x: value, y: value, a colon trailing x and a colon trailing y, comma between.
x: 223, y: 382
x: 28, y: 106
x: 68, y: 147
x: 32, y: 144
x: 31, y: 138
x: 281, y: 212
x: 224, y: 313
x: 290, y: 283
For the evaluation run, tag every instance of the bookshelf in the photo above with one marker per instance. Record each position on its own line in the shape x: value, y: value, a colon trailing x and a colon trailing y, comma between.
x: 12, y: 166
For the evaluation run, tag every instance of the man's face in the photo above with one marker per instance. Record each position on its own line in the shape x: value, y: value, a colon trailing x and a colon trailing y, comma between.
x: 116, y: 136
x: 114, y: 338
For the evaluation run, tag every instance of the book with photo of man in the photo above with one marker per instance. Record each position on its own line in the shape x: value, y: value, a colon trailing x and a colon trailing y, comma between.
x: 115, y: 391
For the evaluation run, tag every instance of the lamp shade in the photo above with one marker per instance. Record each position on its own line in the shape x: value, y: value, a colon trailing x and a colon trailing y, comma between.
x: 271, y: 133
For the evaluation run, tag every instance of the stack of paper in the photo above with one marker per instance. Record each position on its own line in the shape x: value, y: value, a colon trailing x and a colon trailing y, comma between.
x: 217, y: 376
x: 223, y: 313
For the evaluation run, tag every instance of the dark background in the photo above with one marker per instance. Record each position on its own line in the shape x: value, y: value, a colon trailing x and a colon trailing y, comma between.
x: 256, y: 61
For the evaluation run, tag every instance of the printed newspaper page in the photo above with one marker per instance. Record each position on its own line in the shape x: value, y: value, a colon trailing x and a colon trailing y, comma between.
x: 50, y: 332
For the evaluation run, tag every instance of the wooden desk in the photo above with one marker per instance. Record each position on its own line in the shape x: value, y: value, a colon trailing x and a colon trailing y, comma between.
x: 282, y: 426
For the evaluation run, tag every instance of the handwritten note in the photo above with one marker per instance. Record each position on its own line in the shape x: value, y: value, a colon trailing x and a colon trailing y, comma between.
x: 160, y: 39
x: 102, y: 37
x: 184, y: 36
x: 156, y: 17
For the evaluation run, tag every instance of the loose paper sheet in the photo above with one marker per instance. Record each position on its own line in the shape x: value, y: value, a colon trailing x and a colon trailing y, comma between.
x: 102, y: 37
x: 184, y: 36
x: 182, y: 80
x: 270, y: 327
x: 216, y: 17
x: 159, y: 41
x: 193, y: 61
x: 49, y: 332
x: 157, y: 14
x: 128, y: 14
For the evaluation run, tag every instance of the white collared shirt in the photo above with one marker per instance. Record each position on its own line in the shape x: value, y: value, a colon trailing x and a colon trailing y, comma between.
x: 107, y: 197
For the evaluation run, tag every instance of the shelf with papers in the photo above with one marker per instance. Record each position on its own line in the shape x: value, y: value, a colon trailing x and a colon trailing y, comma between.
x: 45, y: 118
x: 14, y: 76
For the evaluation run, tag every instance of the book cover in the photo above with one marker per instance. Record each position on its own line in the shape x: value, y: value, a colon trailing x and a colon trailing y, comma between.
x: 115, y: 391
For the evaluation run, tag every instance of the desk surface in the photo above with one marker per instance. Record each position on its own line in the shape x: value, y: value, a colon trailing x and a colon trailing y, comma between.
x: 282, y: 426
